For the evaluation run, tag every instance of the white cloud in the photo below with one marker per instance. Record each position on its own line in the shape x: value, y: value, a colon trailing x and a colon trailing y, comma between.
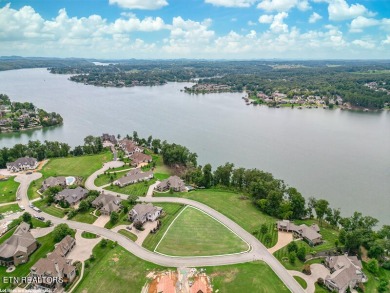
x: 265, y: 18
x: 231, y: 3
x: 314, y: 17
x: 251, y: 23
x: 359, y: 23
x: 283, y: 5
x: 278, y: 26
x: 140, y: 4
x: 340, y: 10
x: 386, y: 41
x: 364, y: 44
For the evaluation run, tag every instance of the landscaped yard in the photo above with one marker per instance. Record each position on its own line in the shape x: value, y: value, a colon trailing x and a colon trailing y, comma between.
x: 128, y: 234
x: 51, y: 210
x: 301, y: 282
x: 47, y: 245
x: 82, y: 166
x: 249, y: 277
x: 123, y: 219
x: 8, y: 190
x: 373, y: 281
x: 241, y: 211
x: 34, y: 187
x: 115, y: 270
x: 170, y: 212
x: 84, y: 217
x: 138, y: 189
x: 194, y: 233
x: 9, y: 208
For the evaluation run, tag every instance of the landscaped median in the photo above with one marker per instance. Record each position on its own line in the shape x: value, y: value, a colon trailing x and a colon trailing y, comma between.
x: 195, y: 233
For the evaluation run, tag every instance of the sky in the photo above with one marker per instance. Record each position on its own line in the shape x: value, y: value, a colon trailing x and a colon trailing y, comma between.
x: 200, y: 29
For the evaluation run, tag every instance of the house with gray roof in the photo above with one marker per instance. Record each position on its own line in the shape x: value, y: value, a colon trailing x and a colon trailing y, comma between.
x: 139, y: 158
x: 173, y: 182
x: 346, y: 272
x: 22, y: 164
x: 144, y: 212
x: 109, y: 138
x: 71, y: 196
x: 134, y: 176
x: 53, y: 181
x: 130, y: 147
x: 17, y: 249
x: 54, y: 265
x: 310, y: 234
x: 107, y: 203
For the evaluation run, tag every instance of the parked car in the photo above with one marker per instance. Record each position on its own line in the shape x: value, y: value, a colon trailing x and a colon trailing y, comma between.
x: 29, y: 173
x: 128, y: 228
x: 22, y: 207
x: 31, y: 205
x: 36, y: 209
x: 39, y: 218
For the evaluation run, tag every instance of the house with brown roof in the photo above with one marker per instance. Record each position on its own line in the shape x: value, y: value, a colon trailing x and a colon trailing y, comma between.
x: 134, y: 176
x: 144, y: 212
x: 53, y: 181
x: 130, y: 147
x: 173, y: 182
x: 107, y: 203
x: 310, y: 234
x: 139, y: 158
x: 22, y: 164
x: 346, y: 272
x: 17, y: 249
x: 109, y: 138
x: 54, y: 265
x: 72, y: 196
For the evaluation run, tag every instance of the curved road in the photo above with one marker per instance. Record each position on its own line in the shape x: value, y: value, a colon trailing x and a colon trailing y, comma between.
x: 258, y: 251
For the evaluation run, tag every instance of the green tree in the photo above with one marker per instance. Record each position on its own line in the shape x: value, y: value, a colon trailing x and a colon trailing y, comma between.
x: 263, y: 228
x: 83, y: 206
x: 207, y: 176
x: 60, y: 231
x: 373, y: 266
x: 292, y: 246
x: 292, y: 256
x: 114, y: 217
x: 321, y: 207
x: 297, y: 202
x: 26, y: 217
x: 301, y: 253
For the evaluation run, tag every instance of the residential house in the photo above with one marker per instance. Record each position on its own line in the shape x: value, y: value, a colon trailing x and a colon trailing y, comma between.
x: 72, y: 196
x: 310, y: 234
x: 109, y: 138
x: 54, y: 265
x: 144, y: 212
x: 346, y: 272
x: 107, y: 203
x: 173, y: 182
x: 134, y: 176
x: 17, y: 249
x: 53, y: 181
x: 138, y: 158
x: 130, y: 147
x: 21, y: 164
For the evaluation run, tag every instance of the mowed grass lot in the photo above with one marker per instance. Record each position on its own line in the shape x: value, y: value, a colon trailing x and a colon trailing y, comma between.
x: 8, y: 190
x: 84, y: 217
x: 241, y: 211
x: 51, y: 210
x: 194, y: 233
x: 170, y: 212
x: 248, y: 277
x: 82, y: 166
x: 9, y: 208
x: 128, y: 234
x: 115, y: 270
x: 138, y: 189
x: 34, y: 187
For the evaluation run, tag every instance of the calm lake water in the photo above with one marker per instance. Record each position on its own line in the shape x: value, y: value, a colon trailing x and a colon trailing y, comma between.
x: 341, y: 156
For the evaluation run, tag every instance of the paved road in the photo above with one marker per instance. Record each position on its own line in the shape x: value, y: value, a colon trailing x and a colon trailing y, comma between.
x: 258, y: 251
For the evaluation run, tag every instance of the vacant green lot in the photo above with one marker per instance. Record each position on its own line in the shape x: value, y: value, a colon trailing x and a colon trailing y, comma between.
x: 82, y: 166
x: 194, y: 233
x: 9, y: 208
x: 249, y: 277
x: 8, y: 190
x: 138, y: 189
x: 115, y: 270
x: 128, y: 234
x: 170, y: 212
x: 241, y: 211
x: 51, y: 210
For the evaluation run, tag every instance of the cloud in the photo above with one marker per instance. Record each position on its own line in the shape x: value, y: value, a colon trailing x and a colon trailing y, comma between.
x: 277, y: 25
x: 364, y: 44
x: 265, y: 18
x: 359, y: 23
x: 314, y: 17
x: 140, y: 4
x: 340, y: 10
x: 386, y: 41
x: 231, y: 3
x: 283, y: 5
x: 251, y: 23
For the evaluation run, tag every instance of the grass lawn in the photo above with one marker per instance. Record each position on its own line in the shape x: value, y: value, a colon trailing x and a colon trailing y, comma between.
x: 9, y: 208
x: 8, y: 190
x: 51, y: 210
x: 248, y: 277
x: 128, y: 234
x: 82, y: 166
x: 301, y: 282
x: 123, y: 220
x: 195, y: 233
x: 7, y: 235
x: 115, y: 270
x: 84, y: 217
x: 88, y: 235
x: 47, y: 245
x: 34, y: 187
x: 138, y: 189
x: 282, y: 256
x: 241, y: 211
x: 320, y: 289
x: 373, y: 281
x: 170, y: 212
x: 37, y: 223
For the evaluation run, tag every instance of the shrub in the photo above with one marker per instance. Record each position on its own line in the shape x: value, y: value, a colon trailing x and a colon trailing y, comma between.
x: 292, y: 256
x: 103, y: 243
x: 292, y: 246
x: 301, y: 253
x: 263, y: 229
x: 306, y: 269
x: 320, y: 281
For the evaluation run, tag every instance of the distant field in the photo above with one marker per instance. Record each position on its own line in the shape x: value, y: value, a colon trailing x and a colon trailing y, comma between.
x: 82, y: 166
x: 8, y: 190
x: 194, y: 233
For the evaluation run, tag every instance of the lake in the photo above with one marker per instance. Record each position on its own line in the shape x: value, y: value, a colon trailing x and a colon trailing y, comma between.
x: 341, y: 156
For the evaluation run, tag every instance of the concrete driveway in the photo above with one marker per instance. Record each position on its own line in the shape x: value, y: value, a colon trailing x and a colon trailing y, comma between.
x: 101, y: 221
x: 284, y: 238
x: 40, y: 232
x: 83, y: 248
